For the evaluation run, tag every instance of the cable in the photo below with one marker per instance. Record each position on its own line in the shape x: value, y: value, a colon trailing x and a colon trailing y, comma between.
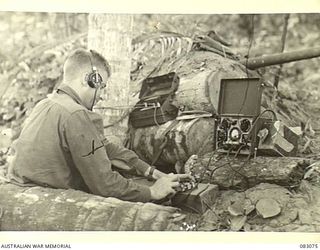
x: 117, y: 121
x: 230, y: 162
x: 248, y: 83
x: 250, y: 44
x: 212, y: 171
x: 155, y: 116
x: 247, y: 59
x: 94, y: 98
x: 237, y: 170
x: 206, y: 168
x: 139, y: 105
x: 259, y: 116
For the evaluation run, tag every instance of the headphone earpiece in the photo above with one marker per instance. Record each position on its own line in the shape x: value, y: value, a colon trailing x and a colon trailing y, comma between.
x: 93, y: 79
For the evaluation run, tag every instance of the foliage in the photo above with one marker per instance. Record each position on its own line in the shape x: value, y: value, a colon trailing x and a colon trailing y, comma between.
x: 31, y: 64
x: 33, y: 60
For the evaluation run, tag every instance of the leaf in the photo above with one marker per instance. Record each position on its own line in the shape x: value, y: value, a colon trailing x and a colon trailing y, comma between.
x: 53, y: 74
x: 308, y: 173
x: 189, y: 42
x: 8, y: 116
x: 238, y: 222
x: 5, y: 138
x: 179, y: 49
x: 172, y: 42
x: 247, y: 227
x: 249, y: 208
x: 268, y: 208
x: 236, y: 209
x: 163, y: 46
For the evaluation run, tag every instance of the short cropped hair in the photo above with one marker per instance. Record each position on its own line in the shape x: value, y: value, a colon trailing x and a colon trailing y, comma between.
x: 102, y: 60
x: 81, y: 60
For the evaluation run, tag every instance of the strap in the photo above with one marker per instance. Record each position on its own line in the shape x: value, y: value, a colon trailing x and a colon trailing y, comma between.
x: 150, y: 174
x: 158, y: 148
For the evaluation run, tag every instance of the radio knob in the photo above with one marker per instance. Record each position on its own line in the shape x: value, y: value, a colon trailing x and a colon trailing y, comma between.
x: 225, y: 123
x: 245, y: 125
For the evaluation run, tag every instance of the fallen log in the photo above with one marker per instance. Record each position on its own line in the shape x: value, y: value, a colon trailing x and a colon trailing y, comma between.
x: 177, y: 144
x: 46, y: 209
x: 200, y: 73
x: 240, y: 173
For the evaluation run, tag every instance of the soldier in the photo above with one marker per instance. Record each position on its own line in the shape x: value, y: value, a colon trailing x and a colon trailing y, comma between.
x: 62, y: 144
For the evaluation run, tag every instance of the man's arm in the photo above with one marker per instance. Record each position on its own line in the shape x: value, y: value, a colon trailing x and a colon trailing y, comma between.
x: 89, y: 156
x: 126, y: 159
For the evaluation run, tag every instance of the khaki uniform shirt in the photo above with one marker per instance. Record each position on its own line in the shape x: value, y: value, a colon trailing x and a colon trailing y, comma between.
x: 62, y: 146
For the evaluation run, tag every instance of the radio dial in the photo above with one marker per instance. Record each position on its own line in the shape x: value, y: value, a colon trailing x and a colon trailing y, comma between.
x: 235, y: 134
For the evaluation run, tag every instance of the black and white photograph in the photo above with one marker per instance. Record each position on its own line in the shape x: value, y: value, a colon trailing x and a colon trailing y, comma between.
x: 159, y: 122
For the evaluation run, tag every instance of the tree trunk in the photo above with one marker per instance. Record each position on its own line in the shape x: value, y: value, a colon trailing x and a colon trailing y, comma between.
x: 111, y: 35
x: 45, y: 209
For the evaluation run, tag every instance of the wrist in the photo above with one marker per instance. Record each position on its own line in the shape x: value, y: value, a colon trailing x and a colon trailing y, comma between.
x: 152, y: 194
x: 150, y: 174
x: 158, y: 174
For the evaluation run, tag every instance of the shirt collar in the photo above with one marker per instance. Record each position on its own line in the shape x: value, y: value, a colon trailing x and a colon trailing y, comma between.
x: 70, y: 92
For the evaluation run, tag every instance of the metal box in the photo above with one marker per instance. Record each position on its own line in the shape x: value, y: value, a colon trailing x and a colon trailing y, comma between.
x: 238, y: 108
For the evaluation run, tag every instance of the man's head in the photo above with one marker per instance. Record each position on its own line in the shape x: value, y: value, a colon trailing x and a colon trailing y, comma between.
x: 80, y: 72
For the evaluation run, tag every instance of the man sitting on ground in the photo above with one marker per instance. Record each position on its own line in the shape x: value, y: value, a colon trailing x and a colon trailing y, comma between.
x: 62, y: 144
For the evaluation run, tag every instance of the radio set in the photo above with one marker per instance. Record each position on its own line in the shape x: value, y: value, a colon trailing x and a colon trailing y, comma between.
x: 238, y: 111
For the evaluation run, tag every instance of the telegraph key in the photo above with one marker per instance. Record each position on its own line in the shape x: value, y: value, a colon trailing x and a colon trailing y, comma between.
x: 190, y: 196
x: 198, y: 199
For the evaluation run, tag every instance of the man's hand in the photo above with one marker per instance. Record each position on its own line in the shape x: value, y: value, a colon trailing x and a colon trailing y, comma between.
x: 182, y: 177
x: 165, y: 185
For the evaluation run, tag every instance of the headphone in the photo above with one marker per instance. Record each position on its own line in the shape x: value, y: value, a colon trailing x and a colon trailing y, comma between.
x: 93, y: 79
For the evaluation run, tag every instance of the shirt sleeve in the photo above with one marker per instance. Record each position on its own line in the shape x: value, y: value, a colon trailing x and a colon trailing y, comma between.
x: 89, y: 155
x: 116, y: 152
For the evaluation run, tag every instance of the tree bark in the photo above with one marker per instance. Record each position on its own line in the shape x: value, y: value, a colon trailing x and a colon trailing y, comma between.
x: 45, y: 209
x: 111, y: 35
